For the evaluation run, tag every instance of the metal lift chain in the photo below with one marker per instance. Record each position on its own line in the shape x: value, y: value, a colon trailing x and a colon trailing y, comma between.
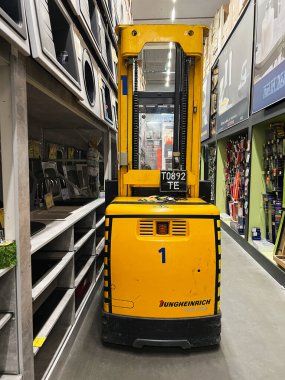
x: 184, y: 113
x: 135, y: 117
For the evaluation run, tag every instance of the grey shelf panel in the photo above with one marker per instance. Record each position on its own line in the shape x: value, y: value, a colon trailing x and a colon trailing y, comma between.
x: 107, y: 13
x: 100, y: 246
x: 85, y: 300
x: 53, y: 318
x: 55, y: 228
x: 87, y: 33
x: 4, y: 271
x: 84, y: 239
x: 11, y: 377
x: 5, y: 318
x: 101, y: 221
x: 51, y: 275
x: 100, y: 273
x: 209, y: 141
x: 63, y: 351
x: 83, y: 271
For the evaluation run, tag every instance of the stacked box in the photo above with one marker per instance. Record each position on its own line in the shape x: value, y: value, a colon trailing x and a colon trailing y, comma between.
x: 220, y: 29
x: 217, y: 30
x: 207, y: 54
x: 235, y: 9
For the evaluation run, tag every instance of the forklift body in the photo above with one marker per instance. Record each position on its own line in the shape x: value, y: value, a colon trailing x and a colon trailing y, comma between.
x: 162, y: 259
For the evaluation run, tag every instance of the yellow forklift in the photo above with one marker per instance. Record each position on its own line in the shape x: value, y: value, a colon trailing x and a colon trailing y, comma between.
x: 162, y: 259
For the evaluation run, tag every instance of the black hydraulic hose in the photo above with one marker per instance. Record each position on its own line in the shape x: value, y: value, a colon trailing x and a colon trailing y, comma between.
x: 184, y: 113
x: 135, y: 118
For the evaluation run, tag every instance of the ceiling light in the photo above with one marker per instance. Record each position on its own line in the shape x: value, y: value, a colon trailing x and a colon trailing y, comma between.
x: 173, y: 14
x: 174, y: 1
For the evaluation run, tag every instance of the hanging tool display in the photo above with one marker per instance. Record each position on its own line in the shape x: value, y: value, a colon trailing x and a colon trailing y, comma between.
x: 273, y: 158
x: 237, y: 181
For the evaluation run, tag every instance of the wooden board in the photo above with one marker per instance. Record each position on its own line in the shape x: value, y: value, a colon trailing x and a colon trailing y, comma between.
x: 280, y: 260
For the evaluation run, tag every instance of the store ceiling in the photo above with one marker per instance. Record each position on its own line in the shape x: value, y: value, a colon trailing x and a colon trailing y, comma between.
x: 186, y: 11
x: 155, y: 62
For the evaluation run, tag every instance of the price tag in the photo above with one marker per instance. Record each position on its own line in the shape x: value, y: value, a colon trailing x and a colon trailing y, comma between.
x: 38, y: 342
x: 49, y: 200
x: 174, y: 181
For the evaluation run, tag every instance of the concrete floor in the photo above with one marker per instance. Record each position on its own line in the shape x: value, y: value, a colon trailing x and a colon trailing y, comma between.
x: 253, y: 336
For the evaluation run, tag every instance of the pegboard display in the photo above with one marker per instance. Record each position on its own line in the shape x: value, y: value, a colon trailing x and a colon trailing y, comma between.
x: 273, y: 164
x: 237, y: 170
x: 212, y: 163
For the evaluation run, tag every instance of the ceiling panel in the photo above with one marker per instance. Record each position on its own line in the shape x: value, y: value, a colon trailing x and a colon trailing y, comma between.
x: 187, y: 11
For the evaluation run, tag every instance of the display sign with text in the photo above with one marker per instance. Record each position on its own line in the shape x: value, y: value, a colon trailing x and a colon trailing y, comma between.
x: 269, y: 66
x: 235, y: 67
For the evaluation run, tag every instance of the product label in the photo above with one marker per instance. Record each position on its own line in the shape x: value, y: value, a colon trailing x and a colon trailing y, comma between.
x: 38, y: 342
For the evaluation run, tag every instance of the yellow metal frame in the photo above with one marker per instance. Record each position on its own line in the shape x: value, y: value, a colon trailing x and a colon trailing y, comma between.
x: 132, y: 39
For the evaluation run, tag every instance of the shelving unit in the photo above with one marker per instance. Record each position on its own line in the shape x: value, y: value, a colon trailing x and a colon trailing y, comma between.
x: 3, y: 271
x: 60, y: 267
x: 5, y: 318
x: 105, y: 9
x: 87, y: 31
x: 8, y: 329
x: 64, y: 273
x: 255, y: 127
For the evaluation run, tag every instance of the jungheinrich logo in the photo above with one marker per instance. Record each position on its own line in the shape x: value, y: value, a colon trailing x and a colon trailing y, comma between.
x: 184, y: 303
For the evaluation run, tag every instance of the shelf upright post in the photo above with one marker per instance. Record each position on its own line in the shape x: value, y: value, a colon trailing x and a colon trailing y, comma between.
x: 15, y: 169
x: 107, y: 155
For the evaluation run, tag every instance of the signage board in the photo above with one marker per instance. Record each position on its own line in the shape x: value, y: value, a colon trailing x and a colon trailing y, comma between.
x: 235, y: 67
x: 269, y: 62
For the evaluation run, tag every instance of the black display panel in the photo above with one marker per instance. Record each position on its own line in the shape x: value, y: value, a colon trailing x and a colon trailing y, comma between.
x: 269, y: 66
x: 235, y: 67
x: 205, y: 131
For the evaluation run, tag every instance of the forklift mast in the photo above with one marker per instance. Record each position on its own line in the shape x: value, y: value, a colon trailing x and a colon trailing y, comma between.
x: 187, y: 101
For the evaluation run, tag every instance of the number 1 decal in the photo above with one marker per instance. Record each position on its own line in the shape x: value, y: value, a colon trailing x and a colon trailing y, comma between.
x: 163, y: 255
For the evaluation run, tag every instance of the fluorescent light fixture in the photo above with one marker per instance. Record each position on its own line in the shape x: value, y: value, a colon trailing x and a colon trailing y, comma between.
x: 174, y: 1
x: 173, y: 14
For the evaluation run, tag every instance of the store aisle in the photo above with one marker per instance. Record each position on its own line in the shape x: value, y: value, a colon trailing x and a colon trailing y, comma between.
x: 253, y: 336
